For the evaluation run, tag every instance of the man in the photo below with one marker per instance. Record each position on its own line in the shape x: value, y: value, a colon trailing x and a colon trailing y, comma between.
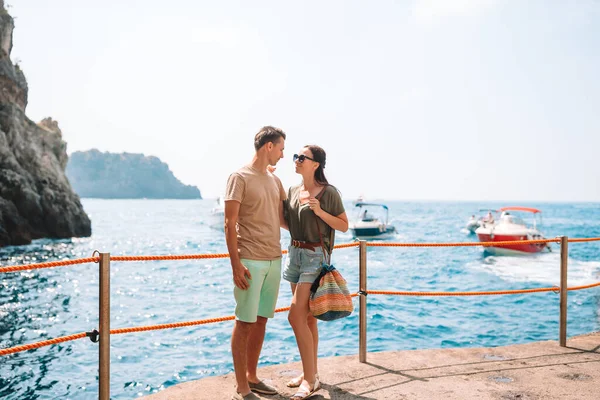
x: 253, y: 214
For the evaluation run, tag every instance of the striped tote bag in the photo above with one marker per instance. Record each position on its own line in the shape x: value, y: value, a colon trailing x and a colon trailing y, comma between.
x: 330, y: 298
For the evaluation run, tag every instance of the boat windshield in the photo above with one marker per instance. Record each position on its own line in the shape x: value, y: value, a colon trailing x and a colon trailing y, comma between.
x: 369, y: 214
x: 512, y: 219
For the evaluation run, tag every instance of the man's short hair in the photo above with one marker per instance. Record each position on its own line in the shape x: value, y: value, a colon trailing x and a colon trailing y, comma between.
x: 267, y: 134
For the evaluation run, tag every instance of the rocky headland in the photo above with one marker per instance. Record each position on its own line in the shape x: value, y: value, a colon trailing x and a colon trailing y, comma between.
x: 125, y: 176
x: 36, y: 199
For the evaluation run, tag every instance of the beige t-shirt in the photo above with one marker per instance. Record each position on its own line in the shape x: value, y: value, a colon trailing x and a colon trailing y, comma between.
x: 260, y: 195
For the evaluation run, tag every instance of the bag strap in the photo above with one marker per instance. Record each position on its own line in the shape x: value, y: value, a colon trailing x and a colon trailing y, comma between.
x: 328, y: 253
x: 317, y: 282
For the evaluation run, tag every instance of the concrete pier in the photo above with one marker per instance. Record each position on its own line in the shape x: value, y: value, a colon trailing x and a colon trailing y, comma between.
x: 533, y: 371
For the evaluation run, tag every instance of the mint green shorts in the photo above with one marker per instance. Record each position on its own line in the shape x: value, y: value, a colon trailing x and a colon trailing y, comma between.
x: 260, y: 298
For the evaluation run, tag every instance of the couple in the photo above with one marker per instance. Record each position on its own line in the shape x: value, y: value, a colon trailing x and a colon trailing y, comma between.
x: 256, y: 206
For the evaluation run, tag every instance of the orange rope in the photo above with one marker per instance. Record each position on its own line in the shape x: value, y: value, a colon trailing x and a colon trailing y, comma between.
x: 17, y: 268
x: 188, y: 323
x: 172, y: 325
x: 581, y: 240
x: 180, y: 324
x: 462, y: 244
x: 17, y: 349
x: 461, y: 293
x: 346, y: 245
x: 169, y: 257
x: 25, y: 347
x: 487, y: 293
x: 584, y: 286
x: 485, y: 244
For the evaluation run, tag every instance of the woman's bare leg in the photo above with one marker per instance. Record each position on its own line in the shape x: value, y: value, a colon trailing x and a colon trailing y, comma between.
x: 298, y: 318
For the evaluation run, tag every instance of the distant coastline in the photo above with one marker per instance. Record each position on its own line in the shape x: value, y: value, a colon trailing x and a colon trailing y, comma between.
x: 104, y: 175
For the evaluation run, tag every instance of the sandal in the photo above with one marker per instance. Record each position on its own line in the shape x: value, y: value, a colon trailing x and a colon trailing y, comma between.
x: 305, y: 392
x: 295, y: 382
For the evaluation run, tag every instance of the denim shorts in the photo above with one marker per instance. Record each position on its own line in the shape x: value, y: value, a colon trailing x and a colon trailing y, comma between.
x: 303, y: 265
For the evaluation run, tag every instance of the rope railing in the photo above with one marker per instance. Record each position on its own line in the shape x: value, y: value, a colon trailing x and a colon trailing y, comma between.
x: 51, y: 264
x: 478, y: 293
x: 25, y: 347
x: 584, y: 286
x: 554, y: 289
x: 465, y: 244
x: 583, y: 240
x: 27, y: 267
x: 104, y: 323
x: 169, y: 257
x: 119, y: 331
x: 484, y: 244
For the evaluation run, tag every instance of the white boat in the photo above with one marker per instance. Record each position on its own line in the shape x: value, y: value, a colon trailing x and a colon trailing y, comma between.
x: 368, y: 225
x: 217, y: 215
x: 512, y: 228
x: 475, y: 222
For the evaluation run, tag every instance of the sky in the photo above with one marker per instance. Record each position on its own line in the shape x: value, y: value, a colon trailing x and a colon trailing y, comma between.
x: 476, y: 100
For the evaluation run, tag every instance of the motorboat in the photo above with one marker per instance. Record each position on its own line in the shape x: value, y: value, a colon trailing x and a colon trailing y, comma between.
x: 511, y: 227
x: 369, y: 224
x: 217, y: 215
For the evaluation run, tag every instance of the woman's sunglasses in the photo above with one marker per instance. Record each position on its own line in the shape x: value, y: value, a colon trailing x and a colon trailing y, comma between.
x: 300, y: 158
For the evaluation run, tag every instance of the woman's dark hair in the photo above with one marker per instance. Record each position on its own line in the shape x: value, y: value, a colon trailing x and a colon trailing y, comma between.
x: 320, y: 157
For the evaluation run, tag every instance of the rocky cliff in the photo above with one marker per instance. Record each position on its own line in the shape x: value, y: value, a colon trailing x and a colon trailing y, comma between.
x: 36, y: 199
x: 125, y: 176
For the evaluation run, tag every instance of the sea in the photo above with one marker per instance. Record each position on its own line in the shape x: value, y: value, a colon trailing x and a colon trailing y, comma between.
x: 48, y: 303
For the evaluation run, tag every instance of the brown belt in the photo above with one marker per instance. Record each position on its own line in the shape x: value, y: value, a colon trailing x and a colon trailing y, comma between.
x: 306, y: 245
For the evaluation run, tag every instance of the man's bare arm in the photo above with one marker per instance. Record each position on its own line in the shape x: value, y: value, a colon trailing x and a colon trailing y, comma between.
x: 240, y: 272
x: 282, y: 221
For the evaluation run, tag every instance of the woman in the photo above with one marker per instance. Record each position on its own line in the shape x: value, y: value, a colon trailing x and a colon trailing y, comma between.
x: 311, y: 202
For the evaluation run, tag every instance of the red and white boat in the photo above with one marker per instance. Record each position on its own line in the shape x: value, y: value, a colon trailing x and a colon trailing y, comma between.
x: 510, y: 227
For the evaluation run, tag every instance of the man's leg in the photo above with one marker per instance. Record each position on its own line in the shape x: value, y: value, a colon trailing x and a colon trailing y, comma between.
x: 256, y: 338
x: 239, y: 346
x: 266, y: 309
x: 247, y: 302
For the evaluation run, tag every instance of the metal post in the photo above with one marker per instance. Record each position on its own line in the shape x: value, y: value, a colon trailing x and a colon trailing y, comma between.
x: 564, y: 256
x: 104, y: 389
x: 362, y: 335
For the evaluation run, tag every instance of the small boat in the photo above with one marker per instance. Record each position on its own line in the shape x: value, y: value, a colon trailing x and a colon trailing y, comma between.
x: 512, y: 228
x: 476, y: 222
x: 473, y: 224
x: 217, y: 215
x: 368, y: 225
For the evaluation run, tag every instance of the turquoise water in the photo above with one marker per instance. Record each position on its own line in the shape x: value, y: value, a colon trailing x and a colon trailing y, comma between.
x: 42, y: 304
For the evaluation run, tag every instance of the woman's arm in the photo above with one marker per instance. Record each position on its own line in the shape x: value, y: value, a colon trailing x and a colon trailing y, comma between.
x: 339, y: 223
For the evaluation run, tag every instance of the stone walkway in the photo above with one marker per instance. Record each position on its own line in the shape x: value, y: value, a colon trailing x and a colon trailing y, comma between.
x: 534, y: 371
